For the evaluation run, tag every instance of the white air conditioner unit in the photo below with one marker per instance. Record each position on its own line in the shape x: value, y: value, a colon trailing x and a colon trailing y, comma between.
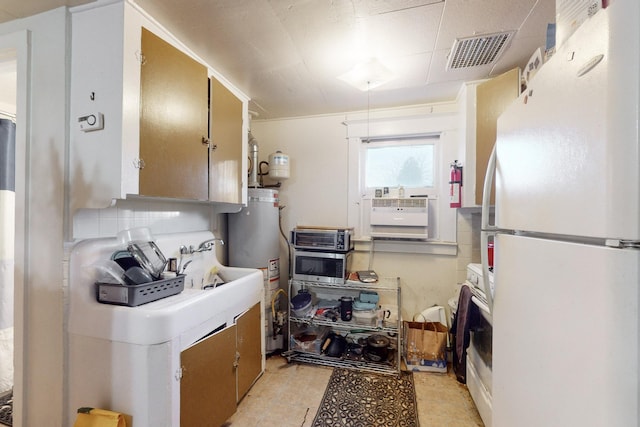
x: 404, y: 218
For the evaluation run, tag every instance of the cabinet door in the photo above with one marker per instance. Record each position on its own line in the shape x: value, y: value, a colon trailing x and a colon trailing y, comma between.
x: 226, y: 175
x: 208, y: 385
x: 173, y: 122
x: 249, y: 348
x: 492, y: 98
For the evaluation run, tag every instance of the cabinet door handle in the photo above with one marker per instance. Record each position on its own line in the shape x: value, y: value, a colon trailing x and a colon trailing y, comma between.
x: 235, y: 361
x: 206, y: 141
x: 138, y: 163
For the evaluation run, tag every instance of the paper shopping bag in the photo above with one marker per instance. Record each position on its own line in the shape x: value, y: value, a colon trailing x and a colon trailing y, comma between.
x: 91, y: 417
x: 425, y: 341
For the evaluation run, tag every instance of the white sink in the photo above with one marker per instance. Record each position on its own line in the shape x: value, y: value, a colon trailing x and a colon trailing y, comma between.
x: 194, y: 309
x: 130, y: 358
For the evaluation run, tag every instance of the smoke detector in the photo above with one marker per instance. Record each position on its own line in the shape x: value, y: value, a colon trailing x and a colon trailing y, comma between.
x: 478, y: 50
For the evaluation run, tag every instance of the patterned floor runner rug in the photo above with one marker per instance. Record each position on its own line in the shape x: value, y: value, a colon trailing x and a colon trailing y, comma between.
x: 361, y: 399
x: 6, y: 409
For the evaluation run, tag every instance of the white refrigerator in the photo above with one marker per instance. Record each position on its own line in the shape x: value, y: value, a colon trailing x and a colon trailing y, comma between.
x: 566, y: 234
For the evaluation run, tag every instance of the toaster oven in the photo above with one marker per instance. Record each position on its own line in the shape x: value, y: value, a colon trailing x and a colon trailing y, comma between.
x: 322, y: 239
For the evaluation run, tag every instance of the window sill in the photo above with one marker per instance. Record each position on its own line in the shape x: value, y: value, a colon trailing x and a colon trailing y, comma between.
x: 431, y: 247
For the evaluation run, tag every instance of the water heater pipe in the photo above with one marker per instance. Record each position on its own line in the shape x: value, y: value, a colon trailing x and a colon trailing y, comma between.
x: 253, y: 157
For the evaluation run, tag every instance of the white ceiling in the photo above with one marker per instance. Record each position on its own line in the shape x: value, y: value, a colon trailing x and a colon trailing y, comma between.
x: 287, y: 54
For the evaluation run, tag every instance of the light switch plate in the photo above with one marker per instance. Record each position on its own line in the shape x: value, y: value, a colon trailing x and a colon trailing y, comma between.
x: 91, y: 122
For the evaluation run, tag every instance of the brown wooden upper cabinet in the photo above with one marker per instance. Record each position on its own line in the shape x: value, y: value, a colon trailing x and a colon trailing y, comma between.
x: 481, y: 103
x: 155, y: 99
x: 226, y: 175
x: 174, y: 154
x: 492, y: 98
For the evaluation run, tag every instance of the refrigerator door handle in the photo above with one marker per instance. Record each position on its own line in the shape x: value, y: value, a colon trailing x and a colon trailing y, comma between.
x: 486, y: 192
x: 487, y: 229
x: 484, y: 240
x: 622, y: 244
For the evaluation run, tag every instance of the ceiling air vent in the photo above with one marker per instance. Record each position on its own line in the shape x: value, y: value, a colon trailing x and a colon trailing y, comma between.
x: 478, y: 50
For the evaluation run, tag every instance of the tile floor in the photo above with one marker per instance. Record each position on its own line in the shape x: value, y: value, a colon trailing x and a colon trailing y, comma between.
x: 288, y: 395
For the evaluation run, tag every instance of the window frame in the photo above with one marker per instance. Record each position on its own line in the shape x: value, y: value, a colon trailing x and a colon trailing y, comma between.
x: 427, y: 139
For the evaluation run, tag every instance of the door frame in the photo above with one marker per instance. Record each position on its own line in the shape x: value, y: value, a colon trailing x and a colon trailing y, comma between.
x: 20, y: 42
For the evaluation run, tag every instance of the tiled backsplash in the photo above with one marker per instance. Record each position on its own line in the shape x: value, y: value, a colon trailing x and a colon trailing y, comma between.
x: 176, y: 217
x: 159, y: 216
x: 469, y: 226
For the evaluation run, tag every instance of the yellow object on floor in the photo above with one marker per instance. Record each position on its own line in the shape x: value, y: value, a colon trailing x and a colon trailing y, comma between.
x: 91, y: 417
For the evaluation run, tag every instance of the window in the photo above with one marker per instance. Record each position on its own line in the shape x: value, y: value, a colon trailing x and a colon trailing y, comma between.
x: 408, y: 148
x: 408, y: 163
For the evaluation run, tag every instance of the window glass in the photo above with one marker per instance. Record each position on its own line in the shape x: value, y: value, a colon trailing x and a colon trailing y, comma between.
x: 399, y: 163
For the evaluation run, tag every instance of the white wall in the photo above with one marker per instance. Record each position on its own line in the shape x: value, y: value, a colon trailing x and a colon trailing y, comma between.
x: 40, y: 164
x: 316, y: 194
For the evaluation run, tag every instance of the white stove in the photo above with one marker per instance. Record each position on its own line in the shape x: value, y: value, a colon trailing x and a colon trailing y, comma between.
x: 479, y: 353
x: 477, y: 284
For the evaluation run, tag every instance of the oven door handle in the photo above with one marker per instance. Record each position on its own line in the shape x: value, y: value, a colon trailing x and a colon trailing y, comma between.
x: 486, y: 313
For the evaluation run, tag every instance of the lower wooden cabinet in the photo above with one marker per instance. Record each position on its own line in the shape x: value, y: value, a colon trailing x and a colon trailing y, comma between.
x: 249, y: 347
x: 219, y: 370
x: 207, y: 388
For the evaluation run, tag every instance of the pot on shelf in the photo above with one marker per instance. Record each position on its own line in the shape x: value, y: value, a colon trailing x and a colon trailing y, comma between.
x: 377, y: 348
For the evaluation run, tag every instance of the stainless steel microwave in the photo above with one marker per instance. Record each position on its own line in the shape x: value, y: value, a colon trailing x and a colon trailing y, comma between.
x: 321, y: 267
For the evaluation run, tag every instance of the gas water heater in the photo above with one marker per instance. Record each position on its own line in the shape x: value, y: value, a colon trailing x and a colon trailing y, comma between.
x: 253, y: 242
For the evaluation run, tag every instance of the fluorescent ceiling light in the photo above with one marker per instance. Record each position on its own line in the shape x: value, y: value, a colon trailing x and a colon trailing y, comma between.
x: 367, y: 75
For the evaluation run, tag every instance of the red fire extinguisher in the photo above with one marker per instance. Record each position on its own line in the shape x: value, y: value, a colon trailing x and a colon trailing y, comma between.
x: 455, y: 183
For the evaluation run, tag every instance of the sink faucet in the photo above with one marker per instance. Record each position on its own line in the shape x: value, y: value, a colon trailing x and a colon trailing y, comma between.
x: 207, y: 245
x: 184, y: 267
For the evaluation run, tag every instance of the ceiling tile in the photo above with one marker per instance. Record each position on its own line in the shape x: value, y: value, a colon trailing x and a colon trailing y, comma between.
x: 466, y: 18
x: 286, y: 54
